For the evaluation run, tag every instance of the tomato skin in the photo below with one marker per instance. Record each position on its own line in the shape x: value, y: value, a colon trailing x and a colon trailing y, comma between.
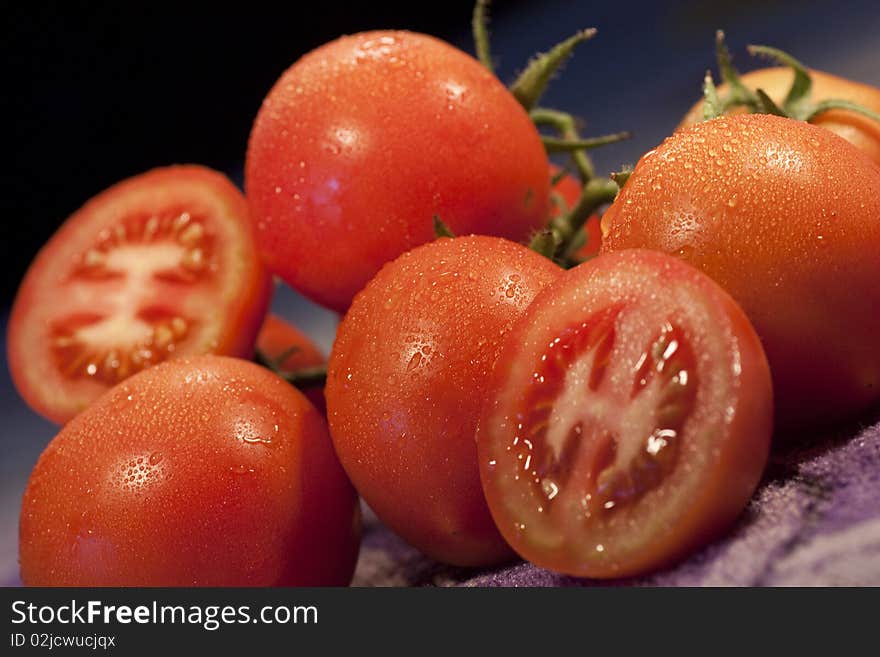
x: 724, y: 440
x: 362, y: 141
x: 787, y: 220
x: 276, y: 337
x: 860, y: 131
x: 405, y: 381
x: 168, y: 480
x: 241, y: 291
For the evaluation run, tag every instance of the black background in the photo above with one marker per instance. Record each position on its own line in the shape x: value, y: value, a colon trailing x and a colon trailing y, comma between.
x: 97, y: 92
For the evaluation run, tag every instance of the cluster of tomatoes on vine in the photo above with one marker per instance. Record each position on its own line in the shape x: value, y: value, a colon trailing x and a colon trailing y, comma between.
x: 510, y: 377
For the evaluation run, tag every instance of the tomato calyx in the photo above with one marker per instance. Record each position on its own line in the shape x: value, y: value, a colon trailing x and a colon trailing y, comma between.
x: 303, y: 378
x: 797, y: 104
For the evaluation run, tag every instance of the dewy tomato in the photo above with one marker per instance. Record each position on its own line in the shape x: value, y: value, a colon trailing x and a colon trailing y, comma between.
x: 203, y: 472
x: 362, y: 141
x: 786, y: 217
x: 628, y: 419
x: 161, y: 265
x: 406, y: 379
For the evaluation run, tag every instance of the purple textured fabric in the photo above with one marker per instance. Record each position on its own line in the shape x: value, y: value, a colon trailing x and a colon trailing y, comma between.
x: 814, y: 521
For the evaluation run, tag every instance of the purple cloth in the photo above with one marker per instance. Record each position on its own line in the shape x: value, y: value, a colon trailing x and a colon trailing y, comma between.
x: 814, y: 521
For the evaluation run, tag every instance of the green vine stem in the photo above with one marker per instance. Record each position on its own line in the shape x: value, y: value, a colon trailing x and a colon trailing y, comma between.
x: 556, y: 145
x: 532, y: 82
x: 563, y: 233
x: 565, y: 227
x: 566, y: 126
x: 797, y: 104
x: 479, y: 25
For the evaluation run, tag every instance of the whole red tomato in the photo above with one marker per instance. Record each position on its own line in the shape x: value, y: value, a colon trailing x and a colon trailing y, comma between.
x: 786, y: 217
x: 859, y: 130
x: 362, y: 141
x: 628, y: 419
x: 407, y: 376
x: 279, y: 338
x: 158, y: 266
x: 203, y: 472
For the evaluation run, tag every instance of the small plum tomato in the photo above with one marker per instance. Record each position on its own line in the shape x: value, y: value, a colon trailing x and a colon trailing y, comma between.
x: 204, y: 472
x: 364, y: 140
x: 406, y: 379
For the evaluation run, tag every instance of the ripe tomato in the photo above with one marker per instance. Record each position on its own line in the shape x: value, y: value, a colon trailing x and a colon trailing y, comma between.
x: 277, y: 338
x: 568, y: 189
x: 406, y: 378
x: 857, y: 129
x: 163, y: 264
x: 786, y: 217
x: 628, y: 420
x: 362, y: 141
x: 203, y: 472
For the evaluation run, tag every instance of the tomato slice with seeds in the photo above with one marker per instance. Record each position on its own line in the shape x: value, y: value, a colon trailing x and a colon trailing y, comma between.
x: 630, y: 418
x: 160, y: 265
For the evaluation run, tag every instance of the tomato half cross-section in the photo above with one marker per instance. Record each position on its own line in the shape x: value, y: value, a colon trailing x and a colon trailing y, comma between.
x: 363, y: 140
x: 209, y: 471
x: 160, y: 265
x: 628, y: 420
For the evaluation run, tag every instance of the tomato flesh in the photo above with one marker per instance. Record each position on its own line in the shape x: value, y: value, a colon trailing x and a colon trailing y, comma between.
x: 630, y: 418
x: 160, y: 265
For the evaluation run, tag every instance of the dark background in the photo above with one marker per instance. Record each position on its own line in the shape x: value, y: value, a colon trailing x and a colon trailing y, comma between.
x: 94, y: 93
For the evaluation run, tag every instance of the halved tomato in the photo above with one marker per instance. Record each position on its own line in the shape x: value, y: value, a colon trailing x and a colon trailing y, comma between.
x: 629, y: 418
x: 160, y: 265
